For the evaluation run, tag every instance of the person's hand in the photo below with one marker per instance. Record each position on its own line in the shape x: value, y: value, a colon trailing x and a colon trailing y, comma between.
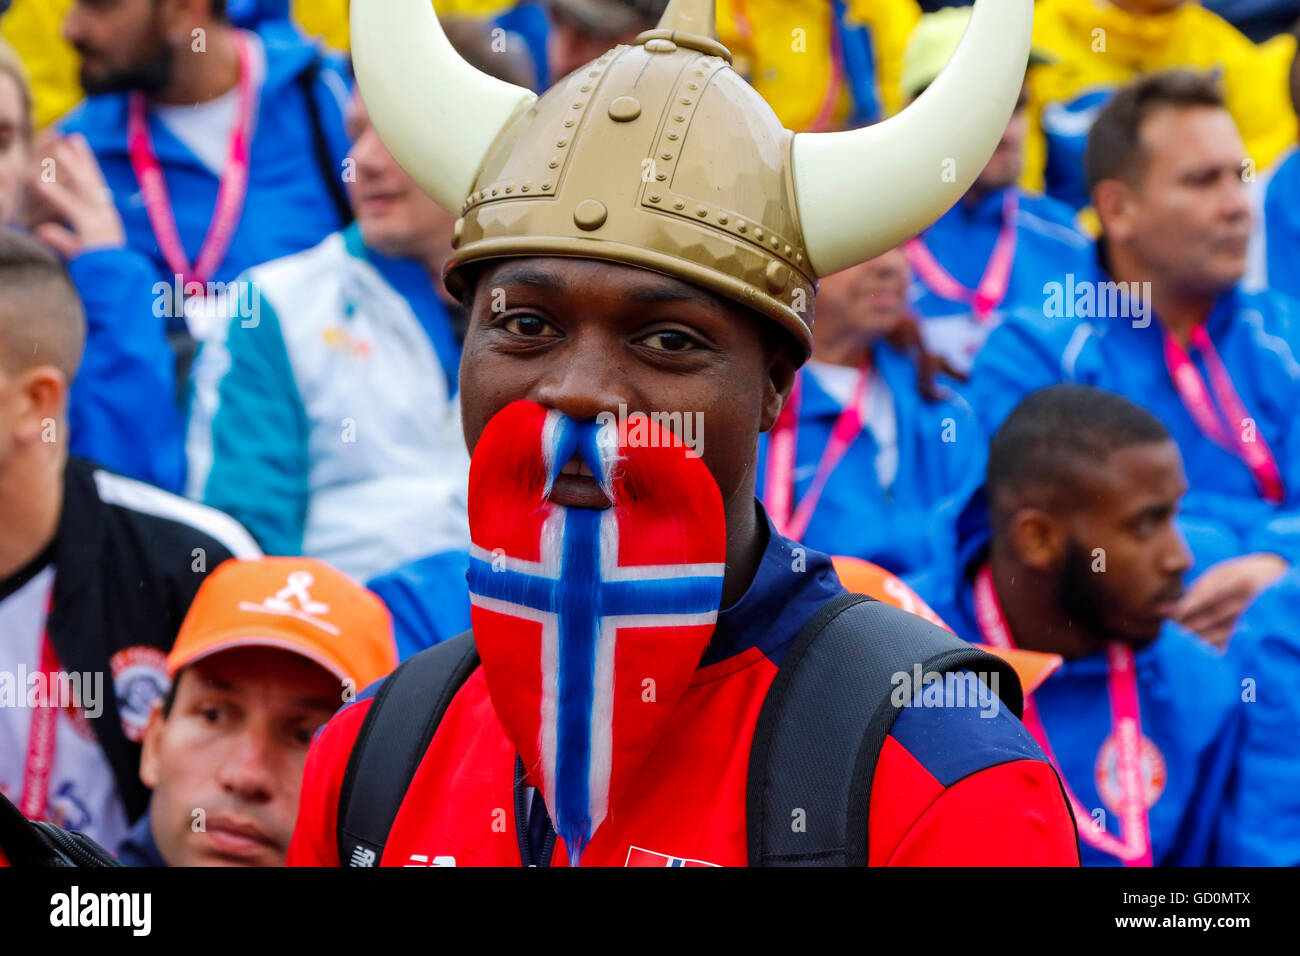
x: 73, y: 190
x: 1218, y: 596
x: 906, y: 337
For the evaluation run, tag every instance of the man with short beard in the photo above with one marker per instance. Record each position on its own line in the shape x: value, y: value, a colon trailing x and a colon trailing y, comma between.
x: 630, y: 246
x: 1161, y: 318
x: 1073, y: 550
x: 223, y: 147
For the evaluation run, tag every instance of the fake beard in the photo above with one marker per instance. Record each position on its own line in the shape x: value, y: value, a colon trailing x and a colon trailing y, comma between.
x: 589, y: 623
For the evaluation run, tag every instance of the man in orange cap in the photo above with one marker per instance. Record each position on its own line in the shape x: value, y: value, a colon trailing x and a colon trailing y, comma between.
x: 269, y: 650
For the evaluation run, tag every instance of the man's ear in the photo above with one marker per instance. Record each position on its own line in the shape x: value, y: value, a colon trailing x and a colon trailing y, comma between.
x: 149, y: 756
x: 781, y: 370
x: 43, y: 395
x: 1116, y: 207
x: 1037, y: 538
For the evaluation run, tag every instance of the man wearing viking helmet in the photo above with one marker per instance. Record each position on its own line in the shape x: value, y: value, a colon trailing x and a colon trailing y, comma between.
x: 654, y: 675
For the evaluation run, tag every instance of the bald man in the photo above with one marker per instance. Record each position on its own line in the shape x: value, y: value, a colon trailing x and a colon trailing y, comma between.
x: 96, y: 573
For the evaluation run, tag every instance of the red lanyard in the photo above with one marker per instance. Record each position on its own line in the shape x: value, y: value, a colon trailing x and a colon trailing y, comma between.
x: 1126, y: 731
x: 1256, y: 454
x: 992, y: 290
x: 230, y: 194
x: 792, y: 521
x: 41, y: 734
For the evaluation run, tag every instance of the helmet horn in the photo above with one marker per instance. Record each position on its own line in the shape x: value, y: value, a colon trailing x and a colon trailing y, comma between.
x: 437, y: 115
x: 862, y: 192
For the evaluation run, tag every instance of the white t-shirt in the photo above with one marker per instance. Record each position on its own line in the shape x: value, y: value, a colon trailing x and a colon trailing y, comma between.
x: 83, y: 791
x: 878, y: 414
x: 205, y: 128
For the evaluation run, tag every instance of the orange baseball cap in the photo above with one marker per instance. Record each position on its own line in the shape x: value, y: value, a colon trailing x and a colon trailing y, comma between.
x: 300, y: 605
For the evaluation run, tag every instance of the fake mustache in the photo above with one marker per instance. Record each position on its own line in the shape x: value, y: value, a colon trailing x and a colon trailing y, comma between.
x: 576, y: 609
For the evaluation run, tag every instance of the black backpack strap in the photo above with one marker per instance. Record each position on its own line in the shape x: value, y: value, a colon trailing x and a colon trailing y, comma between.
x: 391, y: 743
x: 825, y: 720
x: 42, y: 845
x: 321, y: 146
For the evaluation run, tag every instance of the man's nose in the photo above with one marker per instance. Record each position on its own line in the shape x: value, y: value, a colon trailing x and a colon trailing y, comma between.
x: 1236, y: 200
x: 1177, y: 556
x: 247, y: 769
x: 367, y: 153
x: 73, y: 25
x: 583, y: 382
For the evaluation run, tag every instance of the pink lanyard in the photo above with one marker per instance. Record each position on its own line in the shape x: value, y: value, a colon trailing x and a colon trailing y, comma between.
x: 993, y: 286
x: 784, y: 446
x: 39, y: 763
x: 1126, y: 724
x: 1256, y: 454
x: 230, y: 194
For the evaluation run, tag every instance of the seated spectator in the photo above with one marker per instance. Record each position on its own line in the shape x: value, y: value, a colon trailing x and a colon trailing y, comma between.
x: 870, y: 454
x: 1261, y: 824
x: 269, y: 650
x: 1102, y: 45
x: 1074, y: 551
x: 1162, y: 320
x: 96, y: 572
x: 998, y: 246
x: 34, y: 28
x: 1276, y: 252
x: 330, y: 427
x: 122, y: 413
x: 222, y: 152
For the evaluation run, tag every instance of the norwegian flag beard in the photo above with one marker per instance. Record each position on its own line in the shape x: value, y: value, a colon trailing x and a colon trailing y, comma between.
x: 589, y: 622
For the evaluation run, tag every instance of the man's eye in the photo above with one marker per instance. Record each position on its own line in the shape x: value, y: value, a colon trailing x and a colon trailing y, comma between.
x: 211, y: 714
x: 531, y: 326
x: 670, y: 341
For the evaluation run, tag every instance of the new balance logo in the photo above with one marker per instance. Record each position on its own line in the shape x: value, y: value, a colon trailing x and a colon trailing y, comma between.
x: 421, y: 859
x: 295, y: 601
x: 362, y: 857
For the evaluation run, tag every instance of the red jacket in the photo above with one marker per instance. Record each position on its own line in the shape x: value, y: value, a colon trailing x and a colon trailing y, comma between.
x: 951, y: 788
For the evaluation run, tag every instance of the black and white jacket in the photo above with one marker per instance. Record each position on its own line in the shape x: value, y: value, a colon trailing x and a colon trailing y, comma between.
x: 128, y: 561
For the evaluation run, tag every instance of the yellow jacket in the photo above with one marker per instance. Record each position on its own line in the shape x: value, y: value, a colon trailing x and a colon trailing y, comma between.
x: 783, y: 48
x: 1100, y: 47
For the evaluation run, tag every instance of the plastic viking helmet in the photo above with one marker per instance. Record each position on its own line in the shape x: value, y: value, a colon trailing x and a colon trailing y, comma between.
x: 659, y: 155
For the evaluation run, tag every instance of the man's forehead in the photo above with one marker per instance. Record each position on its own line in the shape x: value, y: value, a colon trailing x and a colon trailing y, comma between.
x: 1219, y: 142
x: 1135, y: 476
x: 569, y: 275
x: 249, y: 670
